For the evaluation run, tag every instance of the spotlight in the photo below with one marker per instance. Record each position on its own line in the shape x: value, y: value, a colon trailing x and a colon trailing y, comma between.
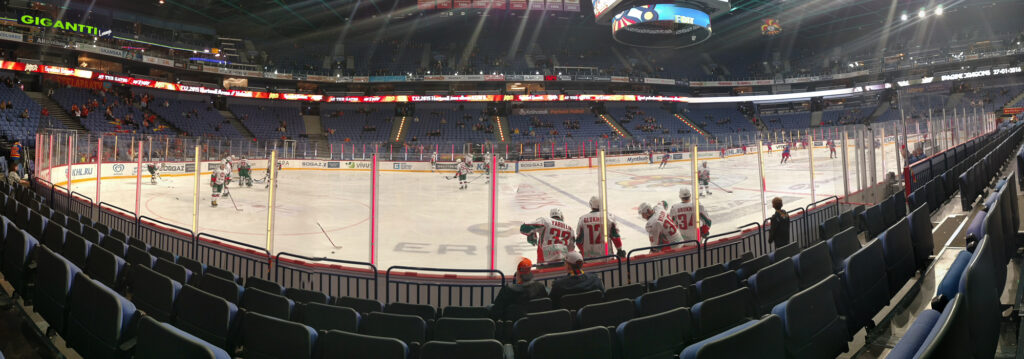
x: 903, y: 17
x: 938, y: 10
x: 921, y: 13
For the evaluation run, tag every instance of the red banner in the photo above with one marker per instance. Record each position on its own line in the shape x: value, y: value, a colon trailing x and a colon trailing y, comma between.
x: 554, y: 5
x: 536, y: 4
x: 481, y: 4
x: 425, y: 4
x: 443, y: 4
x: 572, y: 5
x: 463, y: 4
x: 1013, y: 110
x: 498, y: 4
x: 517, y: 4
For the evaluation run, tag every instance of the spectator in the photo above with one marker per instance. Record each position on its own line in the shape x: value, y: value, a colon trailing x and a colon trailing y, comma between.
x: 24, y: 114
x: 13, y: 178
x: 15, y: 153
x: 779, y: 231
x: 511, y: 302
x: 577, y: 281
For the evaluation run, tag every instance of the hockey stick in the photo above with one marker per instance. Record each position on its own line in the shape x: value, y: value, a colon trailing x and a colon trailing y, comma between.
x: 723, y: 188
x: 328, y: 237
x: 476, y: 178
x: 232, y: 198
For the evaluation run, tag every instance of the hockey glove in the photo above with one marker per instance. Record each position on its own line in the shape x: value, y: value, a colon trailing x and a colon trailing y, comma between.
x: 621, y: 253
x: 532, y: 238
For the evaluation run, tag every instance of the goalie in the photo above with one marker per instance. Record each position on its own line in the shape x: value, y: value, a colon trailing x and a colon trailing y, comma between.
x: 154, y: 172
x: 244, y: 174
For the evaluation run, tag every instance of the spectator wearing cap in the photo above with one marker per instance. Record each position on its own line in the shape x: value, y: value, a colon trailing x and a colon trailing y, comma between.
x: 512, y: 299
x: 577, y: 281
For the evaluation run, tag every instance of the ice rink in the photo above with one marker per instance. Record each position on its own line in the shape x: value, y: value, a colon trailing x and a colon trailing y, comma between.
x: 426, y: 221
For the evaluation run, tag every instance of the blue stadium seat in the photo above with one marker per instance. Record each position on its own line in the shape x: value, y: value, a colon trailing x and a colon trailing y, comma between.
x: 888, y: 210
x: 363, y: 306
x: 207, y: 316
x: 814, y: 328
x: 221, y: 287
x: 717, y: 314
x: 981, y: 301
x: 455, y: 329
x: 874, y: 221
x: 264, y: 285
x: 278, y: 306
x: 813, y: 264
x: 607, y: 314
x: 683, y: 279
x: 948, y: 337
x: 324, y: 317
x: 711, y: 270
x: 342, y: 344
x: 18, y: 248
x: 949, y: 286
x: 663, y: 300
x: 900, y: 203
x: 773, y: 284
x: 717, y: 285
x: 105, y: 267
x: 762, y: 339
x: 574, y: 302
x: 155, y: 294
x: 911, y: 341
x: 829, y: 228
x: 865, y: 284
x: 309, y: 296
x: 427, y: 312
x: 846, y: 220
x: 114, y: 245
x: 921, y: 237
x: 54, y: 277
x: 462, y: 349
x: 99, y: 320
x: 226, y: 274
x: 466, y: 312
x: 272, y: 338
x: 53, y: 236
x: 750, y: 267
x: 785, y: 252
x: 195, y: 267
x: 629, y: 291
x: 536, y: 324
x: 594, y: 342
x: 174, y: 271
x: 842, y: 246
x: 408, y: 328
x: 899, y: 255
x: 735, y: 264
x: 164, y: 341
x: 655, y: 336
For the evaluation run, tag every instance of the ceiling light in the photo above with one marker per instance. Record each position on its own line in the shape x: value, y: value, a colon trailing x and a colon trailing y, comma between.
x: 938, y: 10
x: 903, y: 17
x: 921, y: 13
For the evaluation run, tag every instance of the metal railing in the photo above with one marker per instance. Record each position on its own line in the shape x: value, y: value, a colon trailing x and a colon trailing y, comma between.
x: 166, y: 236
x: 646, y: 268
x: 118, y: 218
x: 242, y: 259
x: 724, y: 247
x: 417, y: 288
x: 334, y: 277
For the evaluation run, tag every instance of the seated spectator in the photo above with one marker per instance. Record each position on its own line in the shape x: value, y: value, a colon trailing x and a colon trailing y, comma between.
x: 24, y: 114
x: 577, y: 281
x: 510, y: 304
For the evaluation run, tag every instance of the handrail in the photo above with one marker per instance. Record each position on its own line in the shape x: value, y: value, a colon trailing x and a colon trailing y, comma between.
x: 277, y: 259
x: 387, y: 277
x: 118, y: 208
x: 200, y: 235
x: 826, y: 199
x: 165, y: 224
x: 73, y: 194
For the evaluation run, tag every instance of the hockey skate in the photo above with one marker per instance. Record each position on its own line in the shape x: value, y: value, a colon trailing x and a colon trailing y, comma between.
x: 213, y: 203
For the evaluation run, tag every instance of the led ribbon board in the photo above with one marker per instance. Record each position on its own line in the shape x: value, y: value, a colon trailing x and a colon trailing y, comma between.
x: 63, y: 25
x: 661, y: 26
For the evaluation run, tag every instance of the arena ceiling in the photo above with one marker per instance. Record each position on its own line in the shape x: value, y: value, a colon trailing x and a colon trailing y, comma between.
x: 809, y: 19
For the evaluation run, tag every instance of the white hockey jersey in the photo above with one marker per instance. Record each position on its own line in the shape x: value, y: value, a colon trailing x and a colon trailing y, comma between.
x: 661, y: 229
x: 684, y: 217
x: 555, y: 238
x: 590, y: 238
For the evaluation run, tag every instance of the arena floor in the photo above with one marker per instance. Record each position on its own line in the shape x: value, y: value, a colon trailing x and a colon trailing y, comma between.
x: 426, y: 221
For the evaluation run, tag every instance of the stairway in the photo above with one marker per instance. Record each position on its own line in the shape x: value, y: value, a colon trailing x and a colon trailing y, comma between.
x: 692, y: 125
x: 56, y: 111
x: 315, y: 134
x: 163, y: 122
x: 502, y: 133
x: 614, y: 124
x: 237, y: 124
x: 399, y: 129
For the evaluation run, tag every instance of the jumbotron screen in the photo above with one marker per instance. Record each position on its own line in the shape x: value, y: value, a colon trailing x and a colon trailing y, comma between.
x: 604, y: 10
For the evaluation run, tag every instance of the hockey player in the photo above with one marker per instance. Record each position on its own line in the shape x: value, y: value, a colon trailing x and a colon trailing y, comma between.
x: 682, y: 216
x: 660, y: 228
x: 433, y: 162
x: 487, y: 166
x: 589, y: 233
x: 664, y: 161
x: 650, y: 156
x: 769, y: 147
x: 218, y: 179
x: 268, y: 175
x: 226, y: 163
x: 831, y: 149
x: 552, y: 237
x: 704, y: 177
x: 244, y: 174
x: 785, y: 155
x: 501, y: 163
x: 154, y: 172
x: 461, y: 171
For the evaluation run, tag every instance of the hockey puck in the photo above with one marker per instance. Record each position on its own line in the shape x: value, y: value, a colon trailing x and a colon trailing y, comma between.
x: 332, y: 252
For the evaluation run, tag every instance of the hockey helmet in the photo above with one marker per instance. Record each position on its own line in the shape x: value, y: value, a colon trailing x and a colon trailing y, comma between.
x: 556, y: 213
x: 595, y: 202
x: 645, y: 210
x: 684, y: 194
x: 704, y: 164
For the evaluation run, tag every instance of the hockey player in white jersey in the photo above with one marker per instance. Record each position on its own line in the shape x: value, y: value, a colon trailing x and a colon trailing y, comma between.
x: 553, y: 238
x: 433, y: 162
x: 682, y: 214
x: 660, y: 228
x: 218, y: 179
x: 704, y: 177
x: 461, y: 170
x: 226, y: 163
x: 487, y: 166
x: 589, y: 236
